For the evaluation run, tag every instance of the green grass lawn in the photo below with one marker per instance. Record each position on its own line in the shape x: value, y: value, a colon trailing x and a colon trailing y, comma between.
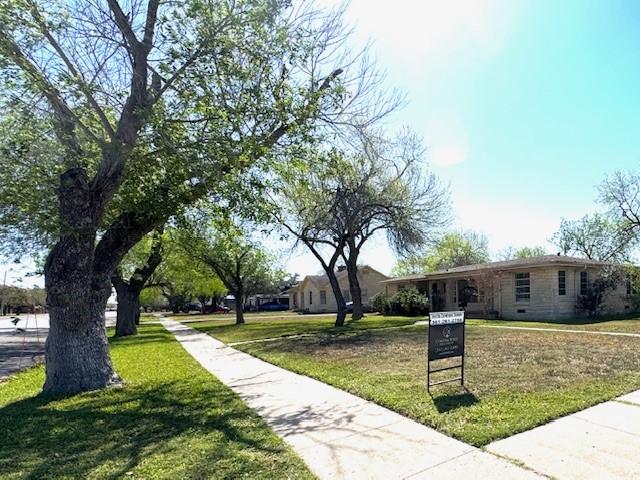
x: 259, y: 328
x: 516, y: 379
x: 172, y: 419
x: 604, y: 324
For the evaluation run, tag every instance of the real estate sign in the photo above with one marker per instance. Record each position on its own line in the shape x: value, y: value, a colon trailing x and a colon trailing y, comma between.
x: 446, y: 335
x: 446, y: 340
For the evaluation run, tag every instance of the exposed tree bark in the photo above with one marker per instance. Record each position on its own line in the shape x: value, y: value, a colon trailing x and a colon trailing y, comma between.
x: 77, y: 272
x: 128, y: 291
x: 128, y: 313
x: 341, y: 314
x: 329, y: 267
x: 240, y: 297
x: 76, y: 350
x: 351, y: 261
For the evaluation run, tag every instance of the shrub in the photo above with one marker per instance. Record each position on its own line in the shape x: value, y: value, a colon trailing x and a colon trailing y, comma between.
x: 380, y: 303
x: 591, y: 302
x: 409, y: 302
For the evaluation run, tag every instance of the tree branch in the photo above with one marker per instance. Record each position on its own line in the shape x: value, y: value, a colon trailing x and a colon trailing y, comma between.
x: 66, y: 120
x: 279, y: 132
x: 80, y: 81
x: 122, y: 22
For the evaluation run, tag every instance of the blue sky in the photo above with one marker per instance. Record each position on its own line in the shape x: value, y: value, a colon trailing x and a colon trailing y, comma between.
x: 525, y: 106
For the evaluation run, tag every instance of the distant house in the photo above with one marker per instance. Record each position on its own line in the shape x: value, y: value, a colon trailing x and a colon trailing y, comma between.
x: 314, y: 293
x: 540, y: 288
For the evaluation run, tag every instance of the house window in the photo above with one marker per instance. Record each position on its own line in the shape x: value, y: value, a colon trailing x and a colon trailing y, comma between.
x: 629, y: 285
x: 523, y: 287
x: 584, y: 283
x: 347, y: 295
x: 401, y: 287
x: 310, y: 297
x: 562, y: 282
x: 454, y: 292
x: 364, y: 293
x: 323, y: 297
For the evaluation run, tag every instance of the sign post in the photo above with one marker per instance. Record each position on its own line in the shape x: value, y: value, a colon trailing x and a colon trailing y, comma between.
x: 446, y: 340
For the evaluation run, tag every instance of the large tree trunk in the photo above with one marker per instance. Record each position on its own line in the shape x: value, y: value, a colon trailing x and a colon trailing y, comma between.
x: 337, y: 293
x: 128, y: 314
x: 76, y: 350
x: 239, y: 307
x: 354, y: 283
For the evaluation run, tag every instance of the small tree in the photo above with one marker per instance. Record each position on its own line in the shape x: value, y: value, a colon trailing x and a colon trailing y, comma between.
x: 183, y: 278
x: 384, y: 187
x: 151, y: 298
x: 344, y: 196
x: 228, y: 250
x: 303, y: 209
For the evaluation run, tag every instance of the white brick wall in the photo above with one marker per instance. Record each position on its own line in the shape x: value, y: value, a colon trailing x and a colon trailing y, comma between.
x: 545, y: 302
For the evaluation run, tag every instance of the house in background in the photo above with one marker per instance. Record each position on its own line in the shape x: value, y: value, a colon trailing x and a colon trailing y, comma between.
x: 537, y: 288
x: 314, y: 294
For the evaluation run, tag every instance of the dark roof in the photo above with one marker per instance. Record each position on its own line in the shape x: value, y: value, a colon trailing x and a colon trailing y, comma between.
x: 542, y: 261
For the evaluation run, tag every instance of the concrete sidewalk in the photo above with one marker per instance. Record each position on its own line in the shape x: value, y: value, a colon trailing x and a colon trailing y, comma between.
x: 339, y: 435
x: 601, y: 442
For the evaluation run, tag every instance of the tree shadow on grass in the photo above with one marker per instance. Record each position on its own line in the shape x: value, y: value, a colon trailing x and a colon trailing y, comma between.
x: 136, y: 340
x: 452, y: 401
x: 107, y: 434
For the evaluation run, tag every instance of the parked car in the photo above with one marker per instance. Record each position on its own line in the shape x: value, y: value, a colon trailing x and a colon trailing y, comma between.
x: 190, y: 307
x: 215, y: 309
x: 273, y: 307
x: 349, y: 306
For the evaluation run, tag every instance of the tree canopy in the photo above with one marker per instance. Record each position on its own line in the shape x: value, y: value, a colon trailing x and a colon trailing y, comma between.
x: 454, y: 249
x: 512, y: 253
x: 230, y: 251
x: 596, y: 237
x: 347, y: 194
x: 182, y: 279
x: 117, y: 116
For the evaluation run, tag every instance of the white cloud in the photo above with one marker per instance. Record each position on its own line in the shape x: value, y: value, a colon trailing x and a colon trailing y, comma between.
x: 446, y: 139
x: 448, y: 155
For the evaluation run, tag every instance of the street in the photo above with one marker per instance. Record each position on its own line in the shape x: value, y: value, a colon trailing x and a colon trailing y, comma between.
x: 22, y: 345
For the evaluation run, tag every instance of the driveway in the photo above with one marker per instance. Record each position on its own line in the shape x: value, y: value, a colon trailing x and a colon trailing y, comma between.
x: 22, y: 345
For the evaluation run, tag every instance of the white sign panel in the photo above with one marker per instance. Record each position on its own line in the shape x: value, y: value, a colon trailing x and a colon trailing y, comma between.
x: 446, y: 318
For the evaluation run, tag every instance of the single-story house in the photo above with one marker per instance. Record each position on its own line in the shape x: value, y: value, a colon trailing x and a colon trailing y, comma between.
x: 314, y: 293
x: 537, y: 288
